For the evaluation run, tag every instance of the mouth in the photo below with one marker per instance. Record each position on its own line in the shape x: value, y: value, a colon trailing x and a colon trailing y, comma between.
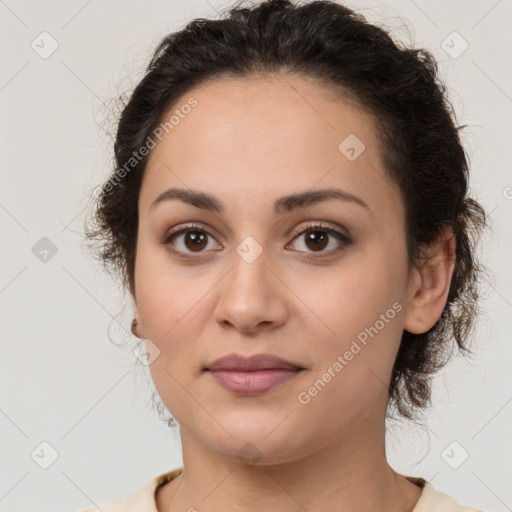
x: 253, y: 375
x: 235, y: 362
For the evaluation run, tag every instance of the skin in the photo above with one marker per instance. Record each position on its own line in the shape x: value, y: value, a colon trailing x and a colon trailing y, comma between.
x: 250, y: 141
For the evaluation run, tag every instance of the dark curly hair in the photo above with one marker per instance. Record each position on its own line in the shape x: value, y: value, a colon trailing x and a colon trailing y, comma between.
x: 419, y: 145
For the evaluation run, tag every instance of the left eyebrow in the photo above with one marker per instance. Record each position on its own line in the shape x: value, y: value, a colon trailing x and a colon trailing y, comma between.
x: 300, y: 200
x: 308, y: 198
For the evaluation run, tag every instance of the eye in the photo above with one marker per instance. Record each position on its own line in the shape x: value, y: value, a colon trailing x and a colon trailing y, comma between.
x: 194, y: 239
x: 319, y: 236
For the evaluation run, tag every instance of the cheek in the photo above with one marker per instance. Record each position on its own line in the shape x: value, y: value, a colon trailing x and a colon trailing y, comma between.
x: 352, y: 297
x: 166, y: 292
x: 354, y: 357
x: 165, y: 303
x: 358, y: 316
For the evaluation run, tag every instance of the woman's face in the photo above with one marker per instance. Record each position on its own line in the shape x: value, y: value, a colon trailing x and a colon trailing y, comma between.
x: 258, y: 280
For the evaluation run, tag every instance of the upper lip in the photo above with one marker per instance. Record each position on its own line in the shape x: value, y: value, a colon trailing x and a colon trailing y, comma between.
x: 255, y: 362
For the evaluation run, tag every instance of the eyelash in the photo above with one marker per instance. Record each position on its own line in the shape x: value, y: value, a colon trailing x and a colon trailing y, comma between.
x: 310, y: 227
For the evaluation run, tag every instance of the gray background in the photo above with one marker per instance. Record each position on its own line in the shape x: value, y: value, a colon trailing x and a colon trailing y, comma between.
x: 64, y: 383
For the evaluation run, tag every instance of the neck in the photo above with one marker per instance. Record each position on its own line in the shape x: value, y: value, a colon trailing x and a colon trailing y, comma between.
x: 349, y: 474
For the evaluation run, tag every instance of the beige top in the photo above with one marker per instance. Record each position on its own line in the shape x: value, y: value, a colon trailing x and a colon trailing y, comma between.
x: 143, y: 499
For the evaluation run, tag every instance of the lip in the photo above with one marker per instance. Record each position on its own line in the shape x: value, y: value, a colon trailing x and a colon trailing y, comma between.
x: 252, y: 363
x: 252, y: 382
x: 252, y: 375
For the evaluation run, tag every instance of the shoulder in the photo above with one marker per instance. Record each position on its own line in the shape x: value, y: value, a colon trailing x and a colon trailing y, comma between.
x: 432, y: 500
x: 141, y: 500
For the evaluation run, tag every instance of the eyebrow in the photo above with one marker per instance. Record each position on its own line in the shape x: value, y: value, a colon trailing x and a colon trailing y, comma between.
x: 284, y: 204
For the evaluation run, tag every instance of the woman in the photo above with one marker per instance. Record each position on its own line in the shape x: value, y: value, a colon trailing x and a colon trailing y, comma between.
x: 290, y: 214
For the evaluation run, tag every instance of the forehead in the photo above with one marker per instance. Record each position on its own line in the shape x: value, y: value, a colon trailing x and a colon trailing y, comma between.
x: 248, y: 137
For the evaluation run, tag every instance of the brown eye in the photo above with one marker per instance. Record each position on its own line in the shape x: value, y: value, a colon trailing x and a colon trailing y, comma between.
x: 195, y: 240
x: 190, y: 239
x: 316, y: 237
x: 317, y: 240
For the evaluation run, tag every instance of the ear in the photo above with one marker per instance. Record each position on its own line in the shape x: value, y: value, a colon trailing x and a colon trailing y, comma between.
x: 135, y: 326
x: 429, y: 284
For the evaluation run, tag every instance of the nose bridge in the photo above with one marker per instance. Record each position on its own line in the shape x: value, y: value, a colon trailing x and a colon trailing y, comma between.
x: 251, y: 237
x: 251, y: 293
x: 250, y: 261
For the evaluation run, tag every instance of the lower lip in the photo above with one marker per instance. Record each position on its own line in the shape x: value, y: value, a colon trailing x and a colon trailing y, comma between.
x: 253, y: 382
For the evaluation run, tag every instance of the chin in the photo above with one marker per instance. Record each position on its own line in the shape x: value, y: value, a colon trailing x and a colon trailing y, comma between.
x: 256, y: 441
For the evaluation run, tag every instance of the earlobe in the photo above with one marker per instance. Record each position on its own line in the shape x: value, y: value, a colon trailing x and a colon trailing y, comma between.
x: 135, y: 322
x: 431, y: 284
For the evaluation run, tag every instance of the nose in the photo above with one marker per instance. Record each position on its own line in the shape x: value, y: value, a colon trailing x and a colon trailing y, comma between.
x: 252, y: 296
